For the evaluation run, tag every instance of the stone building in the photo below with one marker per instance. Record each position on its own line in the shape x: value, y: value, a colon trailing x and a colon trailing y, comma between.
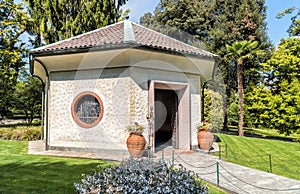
x: 101, y: 81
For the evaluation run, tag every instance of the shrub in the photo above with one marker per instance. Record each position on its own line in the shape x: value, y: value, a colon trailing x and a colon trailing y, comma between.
x: 141, y: 176
x: 27, y: 133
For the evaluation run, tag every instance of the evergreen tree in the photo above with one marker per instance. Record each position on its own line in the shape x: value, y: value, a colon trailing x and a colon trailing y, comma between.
x: 58, y: 20
x: 12, y: 25
x: 213, y: 24
x: 275, y: 104
x: 284, y: 65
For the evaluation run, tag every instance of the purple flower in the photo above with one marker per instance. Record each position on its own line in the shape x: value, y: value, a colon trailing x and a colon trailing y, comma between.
x: 136, y: 123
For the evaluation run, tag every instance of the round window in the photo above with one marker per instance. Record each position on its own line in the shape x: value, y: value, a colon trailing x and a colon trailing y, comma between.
x: 87, y: 109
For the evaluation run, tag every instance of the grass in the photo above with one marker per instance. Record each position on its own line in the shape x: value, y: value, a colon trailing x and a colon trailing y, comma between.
x: 212, y: 189
x: 268, y: 133
x: 23, y: 173
x: 256, y: 152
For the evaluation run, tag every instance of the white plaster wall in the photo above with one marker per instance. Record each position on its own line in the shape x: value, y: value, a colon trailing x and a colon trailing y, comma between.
x: 124, y: 92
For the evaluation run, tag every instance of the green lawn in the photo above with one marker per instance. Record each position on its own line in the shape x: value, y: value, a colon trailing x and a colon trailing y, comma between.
x: 23, y: 173
x: 254, y: 152
x: 268, y: 133
x: 212, y: 189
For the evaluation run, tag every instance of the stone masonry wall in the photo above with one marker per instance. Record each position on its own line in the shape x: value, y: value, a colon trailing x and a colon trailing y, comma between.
x: 124, y: 92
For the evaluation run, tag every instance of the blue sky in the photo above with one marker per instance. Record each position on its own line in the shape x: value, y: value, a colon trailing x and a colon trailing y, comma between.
x: 276, y: 27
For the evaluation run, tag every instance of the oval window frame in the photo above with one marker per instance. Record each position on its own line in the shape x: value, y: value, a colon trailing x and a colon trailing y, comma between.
x: 75, y: 103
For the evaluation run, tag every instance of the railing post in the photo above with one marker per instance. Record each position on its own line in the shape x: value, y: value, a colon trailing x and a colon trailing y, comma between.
x: 162, y: 156
x: 220, y: 152
x: 226, y: 153
x: 270, y: 162
x: 218, y: 175
x: 173, y: 158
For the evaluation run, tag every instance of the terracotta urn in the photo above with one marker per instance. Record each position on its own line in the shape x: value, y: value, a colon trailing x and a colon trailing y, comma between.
x: 205, y: 139
x: 136, y: 145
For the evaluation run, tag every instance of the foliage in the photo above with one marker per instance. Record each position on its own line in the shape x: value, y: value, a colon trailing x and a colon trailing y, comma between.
x: 233, y: 116
x: 213, y: 108
x: 294, y: 29
x: 13, y: 21
x: 53, y: 21
x: 22, y: 133
x: 135, y: 128
x: 21, y: 172
x: 28, y: 97
x: 204, y: 125
x: 254, y: 153
x: 141, y: 176
x: 275, y: 103
x: 241, y: 50
x: 284, y: 63
x: 276, y: 111
x: 212, y: 25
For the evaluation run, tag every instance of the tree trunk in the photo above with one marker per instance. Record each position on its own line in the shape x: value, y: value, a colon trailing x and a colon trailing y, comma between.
x: 241, y: 96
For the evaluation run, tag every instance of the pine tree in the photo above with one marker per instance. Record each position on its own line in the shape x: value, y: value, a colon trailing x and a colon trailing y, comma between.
x: 55, y: 20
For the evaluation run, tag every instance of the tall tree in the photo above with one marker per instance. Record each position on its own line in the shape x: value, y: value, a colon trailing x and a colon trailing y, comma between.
x: 275, y: 104
x: 241, y: 50
x: 28, y: 97
x: 13, y: 20
x: 213, y: 24
x: 284, y: 63
x: 58, y: 20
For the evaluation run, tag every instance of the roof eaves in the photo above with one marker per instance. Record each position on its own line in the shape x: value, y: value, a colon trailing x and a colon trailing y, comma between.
x: 82, y: 49
x: 118, y: 46
x: 176, y: 52
x: 209, y: 53
x: 43, y: 48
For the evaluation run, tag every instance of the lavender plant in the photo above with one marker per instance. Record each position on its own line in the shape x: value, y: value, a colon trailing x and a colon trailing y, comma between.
x: 142, y: 176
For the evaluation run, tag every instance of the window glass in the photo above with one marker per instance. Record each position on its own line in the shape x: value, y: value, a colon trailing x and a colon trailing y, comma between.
x: 87, y: 109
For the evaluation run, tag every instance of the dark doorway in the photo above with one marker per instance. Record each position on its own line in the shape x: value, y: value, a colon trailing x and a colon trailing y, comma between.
x: 166, y: 108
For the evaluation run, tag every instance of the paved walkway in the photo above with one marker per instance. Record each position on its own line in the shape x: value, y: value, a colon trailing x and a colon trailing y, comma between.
x: 233, y: 177
x: 237, y: 178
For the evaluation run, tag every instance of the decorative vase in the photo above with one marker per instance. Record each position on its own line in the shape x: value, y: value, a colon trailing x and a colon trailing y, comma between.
x: 136, y: 145
x: 205, y: 139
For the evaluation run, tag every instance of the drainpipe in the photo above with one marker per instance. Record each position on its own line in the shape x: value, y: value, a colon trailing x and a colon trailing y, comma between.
x: 202, y: 90
x: 43, y: 102
x: 45, y: 124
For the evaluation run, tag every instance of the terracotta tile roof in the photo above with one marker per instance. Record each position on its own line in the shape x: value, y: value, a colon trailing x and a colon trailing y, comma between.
x: 122, y: 34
